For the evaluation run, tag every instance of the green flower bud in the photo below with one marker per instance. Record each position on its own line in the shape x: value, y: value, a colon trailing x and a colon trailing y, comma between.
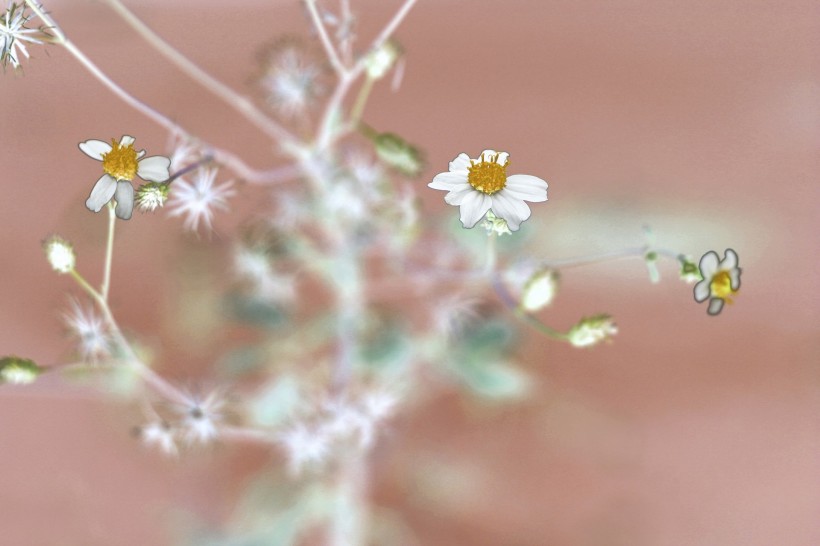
x: 18, y: 371
x: 398, y: 154
x: 689, y: 270
x: 592, y: 330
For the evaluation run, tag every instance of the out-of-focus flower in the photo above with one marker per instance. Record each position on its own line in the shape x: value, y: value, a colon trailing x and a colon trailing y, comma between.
x: 290, y: 81
x: 592, y: 330
x: 13, y: 34
x: 254, y: 266
x: 452, y: 313
x: 479, y: 185
x: 121, y: 163
x: 721, y: 280
x: 201, y: 418
x: 18, y: 371
x: 152, y: 195
x: 304, y: 446
x: 198, y: 200
x: 159, y: 434
x: 89, y: 330
x: 60, y: 254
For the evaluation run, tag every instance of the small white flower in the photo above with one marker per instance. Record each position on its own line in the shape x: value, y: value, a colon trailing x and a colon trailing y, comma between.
x: 290, y: 80
x: 197, y: 200
x: 304, y: 446
x: 721, y: 280
x: 13, y: 32
x: 90, y: 331
x: 121, y: 163
x: 479, y: 185
x: 202, y: 418
x: 161, y: 435
x: 60, y: 254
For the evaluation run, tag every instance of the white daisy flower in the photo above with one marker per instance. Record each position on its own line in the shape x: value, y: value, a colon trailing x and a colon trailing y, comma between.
x: 479, y: 185
x: 721, y: 280
x: 121, y: 163
x: 13, y: 33
x: 197, y: 200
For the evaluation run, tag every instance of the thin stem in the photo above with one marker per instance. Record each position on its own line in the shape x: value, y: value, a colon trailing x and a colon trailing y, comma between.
x: 332, y: 55
x: 361, y: 101
x: 346, y: 44
x: 492, y: 254
x: 238, y: 102
x: 508, y: 300
x: 109, y: 252
x: 247, y: 435
x: 590, y: 259
x: 223, y: 156
x: 148, y: 375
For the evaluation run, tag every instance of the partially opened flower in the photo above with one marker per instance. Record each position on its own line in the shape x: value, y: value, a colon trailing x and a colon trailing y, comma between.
x: 479, y: 185
x: 721, y: 280
x: 121, y: 163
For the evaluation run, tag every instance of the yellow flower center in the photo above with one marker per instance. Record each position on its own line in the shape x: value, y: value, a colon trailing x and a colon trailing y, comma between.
x: 721, y: 286
x: 488, y: 176
x: 121, y: 162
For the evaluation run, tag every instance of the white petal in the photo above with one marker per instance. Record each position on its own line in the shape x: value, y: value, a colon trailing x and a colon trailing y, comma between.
x: 527, y: 187
x: 458, y: 195
x: 730, y: 259
x: 510, y: 208
x: 486, y: 154
x: 702, y: 291
x: 734, y: 278
x: 460, y: 163
x: 447, y: 181
x: 125, y: 200
x: 473, y: 208
x: 95, y: 148
x: 101, y: 193
x: 126, y: 140
x: 140, y: 154
x: 708, y: 265
x: 715, y: 306
x: 154, y: 168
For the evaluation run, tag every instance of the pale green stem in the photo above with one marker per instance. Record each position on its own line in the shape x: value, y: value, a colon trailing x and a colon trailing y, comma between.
x: 361, y: 101
x: 608, y: 257
x: 492, y: 254
x: 238, y: 102
x: 109, y: 252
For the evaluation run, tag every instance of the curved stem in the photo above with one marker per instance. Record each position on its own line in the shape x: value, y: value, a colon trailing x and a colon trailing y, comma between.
x: 332, y: 55
x: 238, y: 102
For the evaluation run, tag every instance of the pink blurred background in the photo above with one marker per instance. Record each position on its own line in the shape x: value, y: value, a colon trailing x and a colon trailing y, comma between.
x: 701, y: 119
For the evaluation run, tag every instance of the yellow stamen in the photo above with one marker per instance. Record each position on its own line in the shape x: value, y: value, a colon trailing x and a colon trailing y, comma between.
x: 488, y: 176
x: 721, y: 286
x: 121, y: 162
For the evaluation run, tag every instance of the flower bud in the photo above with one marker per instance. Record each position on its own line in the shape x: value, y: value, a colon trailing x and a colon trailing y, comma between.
x: 592, y: 330
x: 689, y: 271
x: 493, y: 223
x: 379, y: 61
x: 539, y: 290
x: 651, y: 259
x: 152, y: 195
x: 18, y: 371
x: 60, y: 254
x: 398, y: 154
